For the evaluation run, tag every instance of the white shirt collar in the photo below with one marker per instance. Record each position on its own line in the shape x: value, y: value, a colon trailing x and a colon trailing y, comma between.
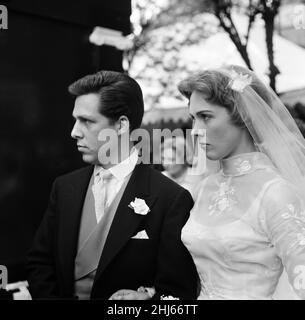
x: 121, y: 170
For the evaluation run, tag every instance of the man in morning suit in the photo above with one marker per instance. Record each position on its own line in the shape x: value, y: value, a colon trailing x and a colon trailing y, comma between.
x: 96, y: 237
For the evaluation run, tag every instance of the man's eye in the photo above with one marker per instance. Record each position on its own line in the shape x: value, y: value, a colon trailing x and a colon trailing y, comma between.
x: 88, y: 122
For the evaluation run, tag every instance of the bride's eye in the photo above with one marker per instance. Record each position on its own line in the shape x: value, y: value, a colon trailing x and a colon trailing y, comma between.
x: 205, y: 117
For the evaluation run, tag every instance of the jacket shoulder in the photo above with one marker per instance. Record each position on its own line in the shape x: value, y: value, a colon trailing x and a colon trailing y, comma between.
x: 75, y: 175
x: 165, y: 183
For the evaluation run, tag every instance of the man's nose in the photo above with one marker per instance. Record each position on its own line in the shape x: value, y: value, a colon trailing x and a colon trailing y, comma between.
x: 76, y: 132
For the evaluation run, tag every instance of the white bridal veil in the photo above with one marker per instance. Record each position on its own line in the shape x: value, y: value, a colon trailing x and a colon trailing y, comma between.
x: 271, y: 126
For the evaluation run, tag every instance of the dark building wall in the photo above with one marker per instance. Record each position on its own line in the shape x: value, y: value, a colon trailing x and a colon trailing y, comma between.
x: 41, y: 53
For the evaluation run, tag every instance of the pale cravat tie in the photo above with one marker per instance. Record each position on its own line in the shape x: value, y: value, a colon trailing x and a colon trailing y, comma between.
x: 99, y: 189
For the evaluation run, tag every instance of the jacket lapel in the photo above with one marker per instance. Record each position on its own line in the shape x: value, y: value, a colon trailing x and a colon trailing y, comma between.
x: 126, y: 221
x: 70, y: 223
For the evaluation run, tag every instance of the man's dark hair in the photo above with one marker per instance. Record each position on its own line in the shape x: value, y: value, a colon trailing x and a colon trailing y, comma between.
x: 119, y: 95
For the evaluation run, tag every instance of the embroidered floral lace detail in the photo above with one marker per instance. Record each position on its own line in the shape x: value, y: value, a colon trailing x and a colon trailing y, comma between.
x: 298, y: 217
x: 299, y: 241
x: 243, y: 166
x: 299, y: 280
x: 301, y: 238
x: 222, y: 199
x: 292, y: 212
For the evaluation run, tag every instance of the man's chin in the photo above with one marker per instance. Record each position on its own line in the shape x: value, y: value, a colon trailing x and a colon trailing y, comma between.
x: 88, y: 158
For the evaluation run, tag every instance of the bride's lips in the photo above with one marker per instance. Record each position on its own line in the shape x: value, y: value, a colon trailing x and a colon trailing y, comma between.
x: 204, y: 145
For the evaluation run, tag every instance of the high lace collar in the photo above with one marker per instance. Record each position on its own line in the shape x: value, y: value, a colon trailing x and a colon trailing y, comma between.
x: 244, y: 163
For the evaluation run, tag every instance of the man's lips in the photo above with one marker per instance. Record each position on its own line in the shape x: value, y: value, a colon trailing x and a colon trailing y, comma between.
x: 79, y: 146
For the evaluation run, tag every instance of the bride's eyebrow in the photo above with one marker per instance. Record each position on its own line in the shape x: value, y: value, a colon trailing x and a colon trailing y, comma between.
x: 204, y: 111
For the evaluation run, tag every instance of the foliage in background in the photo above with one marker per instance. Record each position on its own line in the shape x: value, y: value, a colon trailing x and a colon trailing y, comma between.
x: 267, y: 9
x: 162, y: 28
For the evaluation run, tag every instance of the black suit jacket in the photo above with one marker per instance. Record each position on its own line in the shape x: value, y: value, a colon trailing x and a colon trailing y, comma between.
x: 125, y: 263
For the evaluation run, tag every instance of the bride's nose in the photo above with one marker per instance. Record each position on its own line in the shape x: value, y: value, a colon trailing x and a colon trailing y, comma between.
x: 198, y: 132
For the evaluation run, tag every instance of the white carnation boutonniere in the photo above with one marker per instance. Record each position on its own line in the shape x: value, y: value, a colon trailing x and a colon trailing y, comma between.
x: 163, y: 297
x: 239, y: 81
x: 139, y: 206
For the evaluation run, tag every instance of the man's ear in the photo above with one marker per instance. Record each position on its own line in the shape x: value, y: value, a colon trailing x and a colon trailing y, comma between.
x: 123, y: 125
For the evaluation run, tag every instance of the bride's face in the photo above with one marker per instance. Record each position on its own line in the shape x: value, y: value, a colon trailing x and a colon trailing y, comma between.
x: 222, y: 138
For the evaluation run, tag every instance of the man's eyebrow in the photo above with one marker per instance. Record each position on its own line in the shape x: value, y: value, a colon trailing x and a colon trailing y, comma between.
x: 82, y: 117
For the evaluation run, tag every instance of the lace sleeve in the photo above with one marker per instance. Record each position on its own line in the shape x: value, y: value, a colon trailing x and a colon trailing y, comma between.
x: 284, y: 214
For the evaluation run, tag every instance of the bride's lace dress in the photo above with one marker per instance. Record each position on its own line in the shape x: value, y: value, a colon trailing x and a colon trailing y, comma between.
x: 246, y: 224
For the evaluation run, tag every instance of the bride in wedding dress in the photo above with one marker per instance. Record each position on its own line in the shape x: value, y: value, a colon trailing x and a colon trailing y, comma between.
x: 248, y: 221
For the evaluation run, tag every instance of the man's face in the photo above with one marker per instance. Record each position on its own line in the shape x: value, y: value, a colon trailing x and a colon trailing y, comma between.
x: 88, y: 124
